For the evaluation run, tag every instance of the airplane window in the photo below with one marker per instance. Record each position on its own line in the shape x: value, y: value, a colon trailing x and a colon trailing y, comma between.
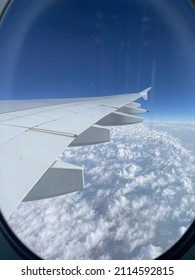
x: 138, y: 198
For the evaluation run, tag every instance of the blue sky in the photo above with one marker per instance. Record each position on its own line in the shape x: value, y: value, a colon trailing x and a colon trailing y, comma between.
x: 75, y: 48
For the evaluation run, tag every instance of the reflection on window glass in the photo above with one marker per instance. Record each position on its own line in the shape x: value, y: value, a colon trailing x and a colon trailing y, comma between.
x: 139, y: 190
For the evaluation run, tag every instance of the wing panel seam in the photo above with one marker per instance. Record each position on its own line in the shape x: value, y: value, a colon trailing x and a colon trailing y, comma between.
x: 53, y: 132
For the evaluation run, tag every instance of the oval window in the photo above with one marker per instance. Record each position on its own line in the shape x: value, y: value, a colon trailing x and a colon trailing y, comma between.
x: 138, y: 196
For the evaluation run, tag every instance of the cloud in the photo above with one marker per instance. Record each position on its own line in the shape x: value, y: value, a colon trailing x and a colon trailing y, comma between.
x: 149, y: 252
x: 138, y: 201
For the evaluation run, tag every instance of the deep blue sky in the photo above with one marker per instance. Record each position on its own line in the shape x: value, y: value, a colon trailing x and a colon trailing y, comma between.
x: 74, y: 48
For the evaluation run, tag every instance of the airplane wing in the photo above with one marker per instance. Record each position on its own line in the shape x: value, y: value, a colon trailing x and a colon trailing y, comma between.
x: 34, y: 132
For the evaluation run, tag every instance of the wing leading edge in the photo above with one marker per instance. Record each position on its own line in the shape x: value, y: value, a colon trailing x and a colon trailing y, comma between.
x: 34, y: 133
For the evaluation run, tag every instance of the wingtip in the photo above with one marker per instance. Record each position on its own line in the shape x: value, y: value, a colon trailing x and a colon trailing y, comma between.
x: 144, y: 93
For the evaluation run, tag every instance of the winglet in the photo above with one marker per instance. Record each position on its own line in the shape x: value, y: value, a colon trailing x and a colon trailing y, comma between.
x: 144, y: 93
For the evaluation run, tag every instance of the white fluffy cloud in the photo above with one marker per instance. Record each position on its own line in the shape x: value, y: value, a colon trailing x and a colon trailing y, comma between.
x: 138, y: 201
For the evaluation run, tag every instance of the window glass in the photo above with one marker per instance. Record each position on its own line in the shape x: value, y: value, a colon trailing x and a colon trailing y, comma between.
x: 139, y: 190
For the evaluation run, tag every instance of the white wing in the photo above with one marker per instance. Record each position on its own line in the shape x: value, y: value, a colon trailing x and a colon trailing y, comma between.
x: 33, y: 133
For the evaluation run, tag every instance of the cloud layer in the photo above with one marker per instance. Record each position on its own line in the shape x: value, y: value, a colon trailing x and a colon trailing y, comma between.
x: 139, y: 199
